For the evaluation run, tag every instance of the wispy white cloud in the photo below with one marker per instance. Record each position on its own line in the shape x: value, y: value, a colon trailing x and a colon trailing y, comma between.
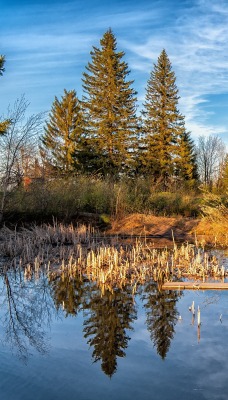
x: 197, y: 44
x: 50, y: 46
x: 51, y: 43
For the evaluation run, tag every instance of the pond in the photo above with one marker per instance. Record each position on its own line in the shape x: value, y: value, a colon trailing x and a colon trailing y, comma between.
x: 67, y: 338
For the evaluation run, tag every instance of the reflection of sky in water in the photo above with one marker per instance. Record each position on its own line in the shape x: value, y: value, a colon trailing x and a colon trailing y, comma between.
x: 192, y: 368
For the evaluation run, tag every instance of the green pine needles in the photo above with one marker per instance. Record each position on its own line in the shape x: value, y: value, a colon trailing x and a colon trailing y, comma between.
x: 110, y: 109
x: 4, y: 124
x: 167, y: 150
x: 101, y: 134
x: 63, y: 133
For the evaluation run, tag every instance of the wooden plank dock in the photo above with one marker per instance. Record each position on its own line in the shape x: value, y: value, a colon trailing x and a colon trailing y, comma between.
x: 195, y: 285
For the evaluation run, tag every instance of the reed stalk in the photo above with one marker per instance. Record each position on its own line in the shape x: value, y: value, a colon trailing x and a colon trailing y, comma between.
x: 81, y: 250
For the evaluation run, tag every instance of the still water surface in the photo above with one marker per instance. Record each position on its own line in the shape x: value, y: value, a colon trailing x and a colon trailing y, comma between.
x: 68, y: 339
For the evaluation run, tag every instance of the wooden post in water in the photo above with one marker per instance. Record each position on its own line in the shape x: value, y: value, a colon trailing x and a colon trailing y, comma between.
x: 193, y: 308
x: 199, y: 323
x: 198, y: 333
x: 198, y: 317
x: 193, y: 319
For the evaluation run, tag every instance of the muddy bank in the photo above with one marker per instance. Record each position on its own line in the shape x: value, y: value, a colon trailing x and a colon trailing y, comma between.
x: 163, y: 229
x: 156, y: 228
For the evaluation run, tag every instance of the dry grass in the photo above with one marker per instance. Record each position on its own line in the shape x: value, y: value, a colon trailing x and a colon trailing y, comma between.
x: 112, y: 267
x: 142, y: 224
x: 211, y: 230
x: 214, y: 224
x: 213, y: 233
x: 66, y: 250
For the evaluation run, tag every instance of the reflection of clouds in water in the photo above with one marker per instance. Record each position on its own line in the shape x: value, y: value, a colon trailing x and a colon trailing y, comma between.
x: 141, y: 335
x: 211, y: 299
x: 213, y: 376
x: 205, y: 361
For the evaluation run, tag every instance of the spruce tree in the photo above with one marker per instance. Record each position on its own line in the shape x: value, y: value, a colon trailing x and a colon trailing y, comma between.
x: 167, y: 149
x: 109, y: 103
x: 62, y: 139
x: 185, y: 160
x: 224, y: 175
x: 4, y: 124
x: 2, y: 61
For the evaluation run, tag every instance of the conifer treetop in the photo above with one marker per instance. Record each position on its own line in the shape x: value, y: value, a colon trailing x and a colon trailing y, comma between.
x: 4, y: 124
x: 109, y: 104
x: 63, y: 132
x: 168, y: 149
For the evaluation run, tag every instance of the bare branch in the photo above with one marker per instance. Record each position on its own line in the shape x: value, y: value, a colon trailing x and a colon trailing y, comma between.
x: 210, y: 155
x: 20, y: 142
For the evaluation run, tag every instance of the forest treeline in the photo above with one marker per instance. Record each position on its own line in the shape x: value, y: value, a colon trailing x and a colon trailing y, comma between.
x: 99, y: 154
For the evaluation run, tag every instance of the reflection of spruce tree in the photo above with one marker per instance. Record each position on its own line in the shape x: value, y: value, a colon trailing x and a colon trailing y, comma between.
x: 108, y: 317
x: 161, y: 316
x: 68, y: 292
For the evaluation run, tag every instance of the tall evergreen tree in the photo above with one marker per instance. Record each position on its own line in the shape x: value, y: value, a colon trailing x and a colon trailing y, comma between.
x: 186, y: 158
x: 63, y: 133
x: 223, y: 178
x: 109, y: 103
x: 167, y: 149
x: 225, y: 173
x: 2, y: 61
x: 4, y: 124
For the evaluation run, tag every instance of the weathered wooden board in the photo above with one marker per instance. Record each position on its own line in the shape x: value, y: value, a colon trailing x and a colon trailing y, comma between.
x: 195, y: 285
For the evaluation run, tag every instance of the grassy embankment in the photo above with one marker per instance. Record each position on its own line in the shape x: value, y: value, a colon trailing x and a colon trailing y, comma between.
x: 133, y: 207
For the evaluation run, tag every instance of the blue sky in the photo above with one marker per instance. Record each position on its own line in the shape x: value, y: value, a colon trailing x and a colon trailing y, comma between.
x: 47, y: 45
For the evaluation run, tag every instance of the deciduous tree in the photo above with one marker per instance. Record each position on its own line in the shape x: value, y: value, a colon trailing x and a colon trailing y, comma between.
x: 17, y: 148
x: 210, y: 156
